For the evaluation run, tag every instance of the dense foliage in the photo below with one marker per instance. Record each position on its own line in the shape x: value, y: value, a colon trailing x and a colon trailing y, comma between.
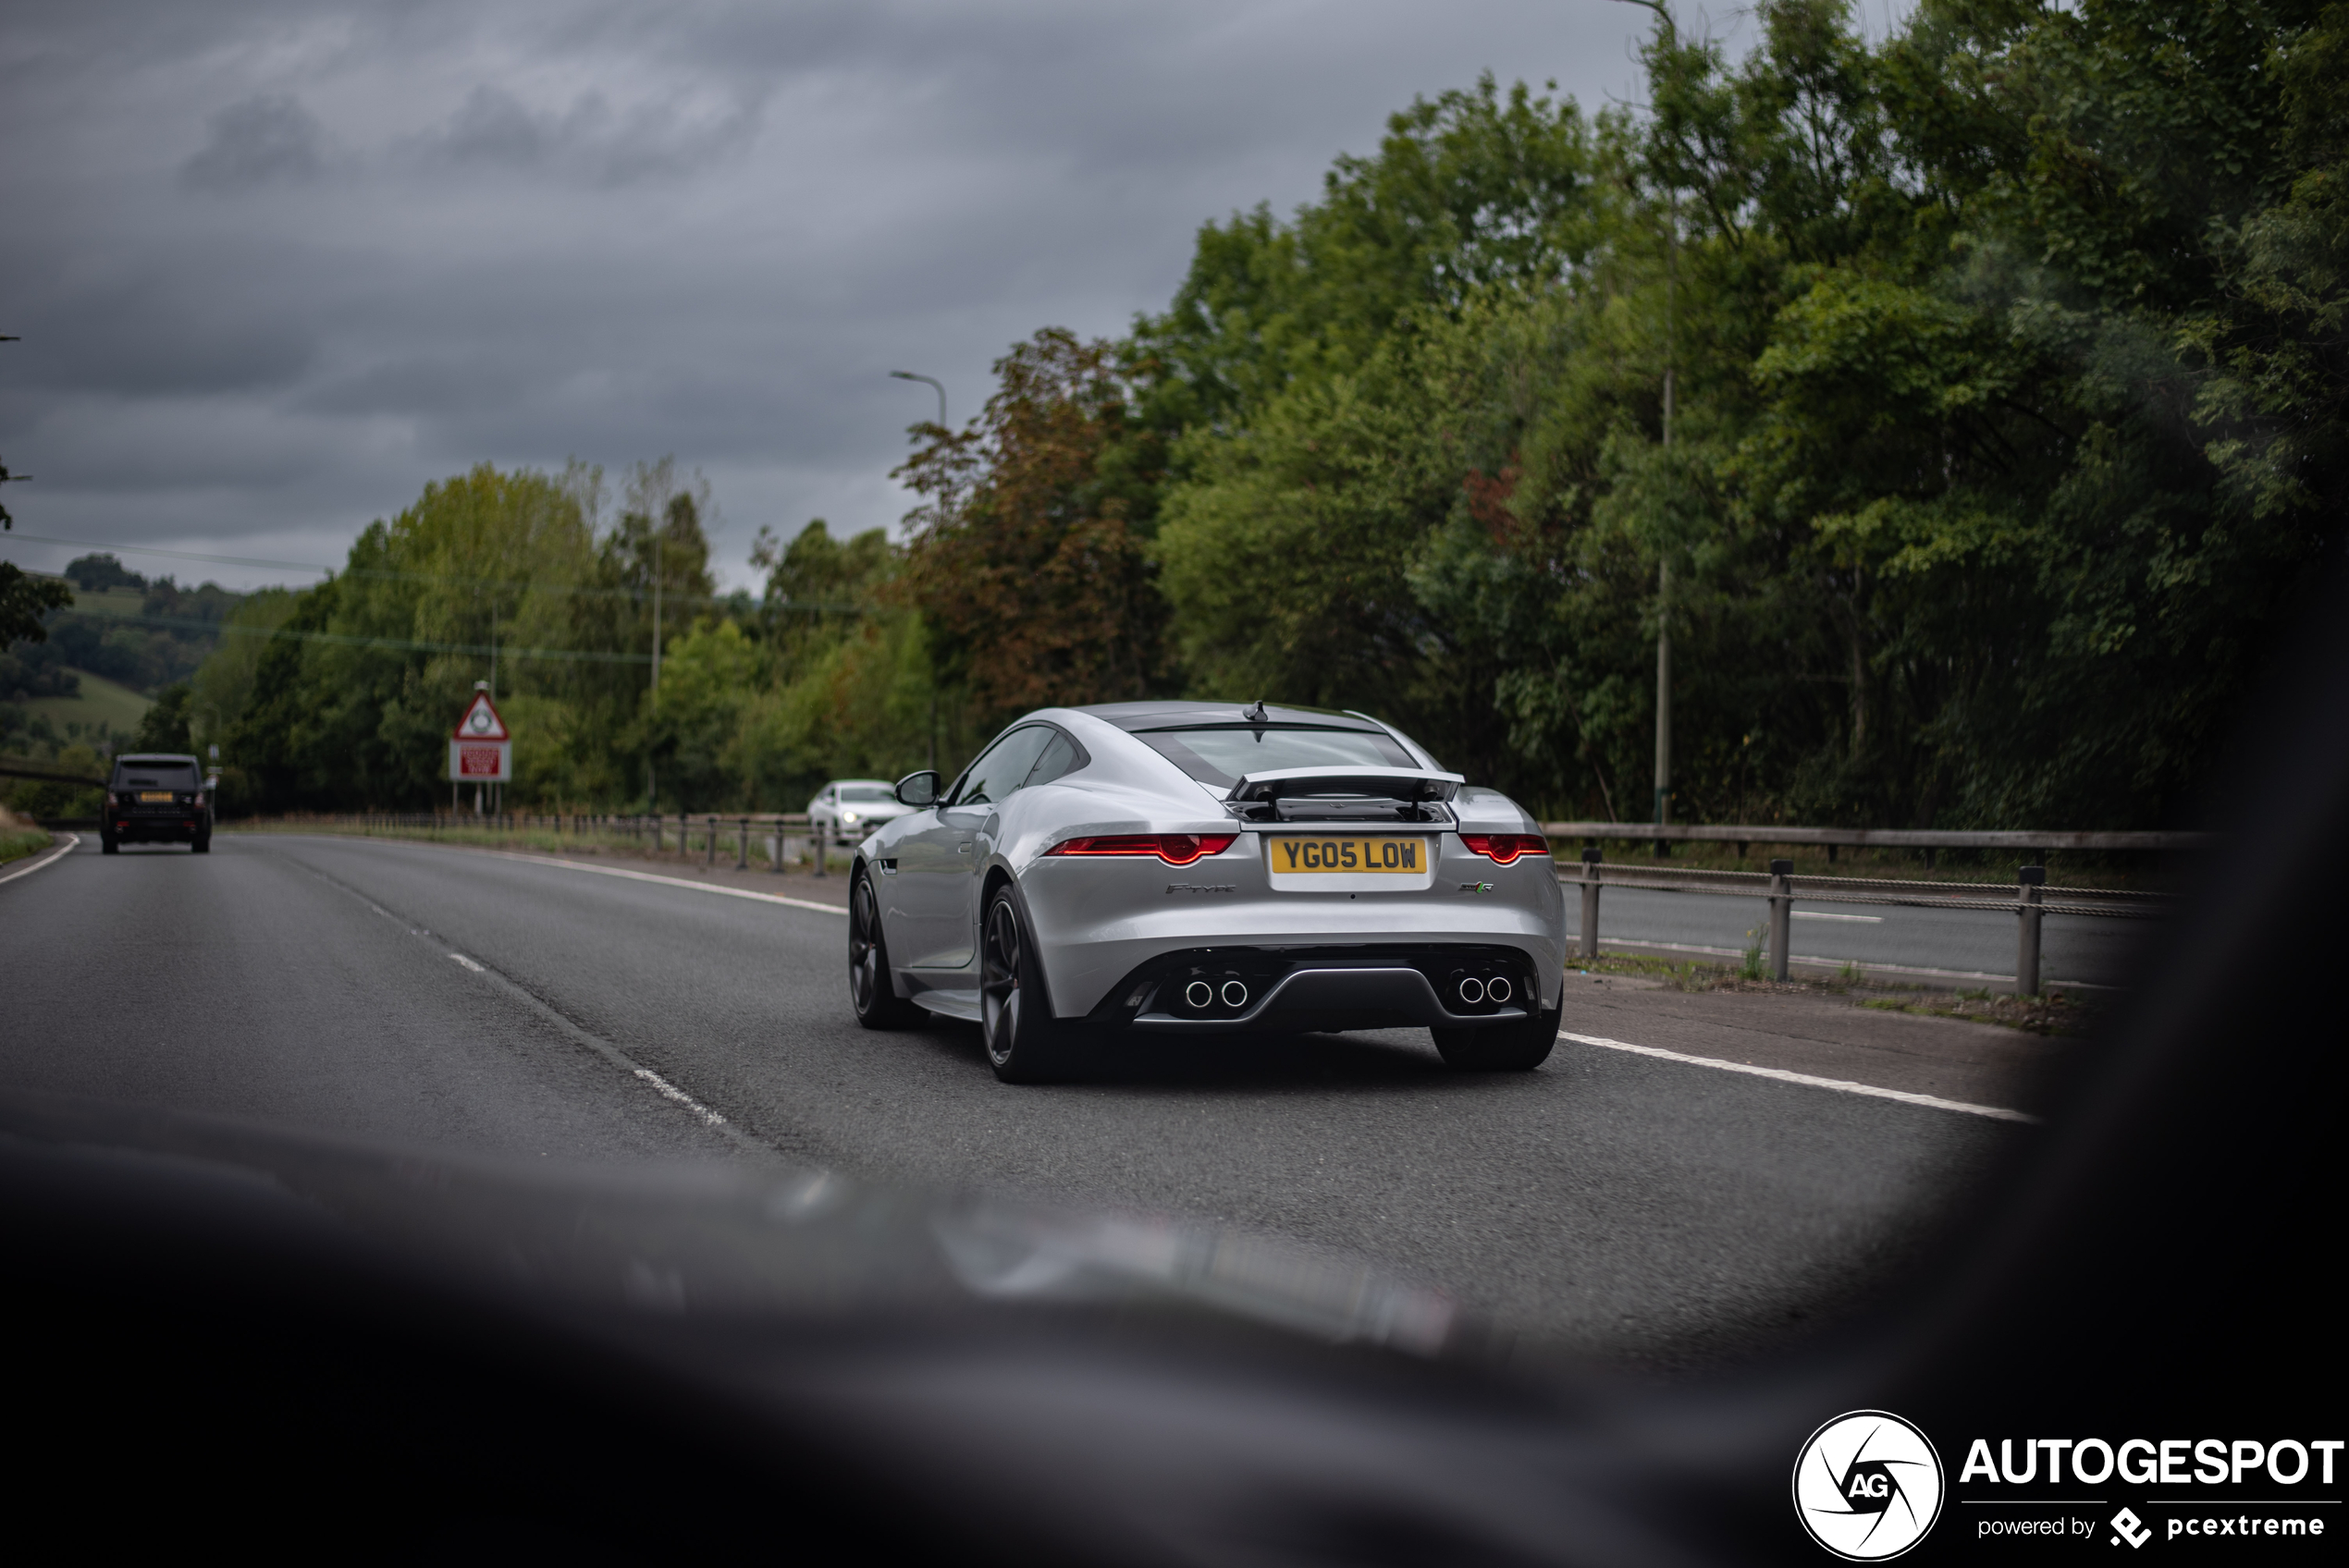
x: 1968, y: 404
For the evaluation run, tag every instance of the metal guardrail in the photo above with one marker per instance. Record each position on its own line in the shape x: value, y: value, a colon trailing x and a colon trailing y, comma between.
x: 773, y: 829
x: 2029, y: 841
x: 2029, y: 898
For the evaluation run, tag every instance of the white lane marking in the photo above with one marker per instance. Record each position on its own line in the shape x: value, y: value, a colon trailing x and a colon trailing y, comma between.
x: 596, y: 1043
x: 47, y: 857
x: 1783, y: 1076
x: 1822, y: 914
x: 671, y: 881
x: 680, y: 1096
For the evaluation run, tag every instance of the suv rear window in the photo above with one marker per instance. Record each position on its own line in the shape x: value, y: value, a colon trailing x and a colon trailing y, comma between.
x: 1222, y: 754
x: 154, y: 776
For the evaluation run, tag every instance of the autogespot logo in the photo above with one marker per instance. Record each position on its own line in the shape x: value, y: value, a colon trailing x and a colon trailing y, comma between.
x: 1867, y: 1486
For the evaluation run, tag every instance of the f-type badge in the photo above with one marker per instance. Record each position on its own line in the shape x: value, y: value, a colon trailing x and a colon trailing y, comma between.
x: 1202, y: 888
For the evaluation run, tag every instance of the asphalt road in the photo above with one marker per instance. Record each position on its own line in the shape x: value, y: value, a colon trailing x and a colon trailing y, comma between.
x: 1656, y: 1210
x: 1962, y: 944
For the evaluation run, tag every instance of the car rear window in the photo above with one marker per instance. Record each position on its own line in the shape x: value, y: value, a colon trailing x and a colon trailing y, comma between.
x: 1222, y: 755
x: 154, y: 776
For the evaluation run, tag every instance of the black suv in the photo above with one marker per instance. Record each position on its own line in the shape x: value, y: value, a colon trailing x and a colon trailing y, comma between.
x: 155, y: 799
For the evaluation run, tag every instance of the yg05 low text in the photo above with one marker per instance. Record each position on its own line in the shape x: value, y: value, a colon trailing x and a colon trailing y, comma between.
x: 1346, y: 854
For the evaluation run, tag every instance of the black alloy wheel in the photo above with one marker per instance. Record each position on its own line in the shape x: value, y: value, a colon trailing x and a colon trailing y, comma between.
x: 108, y: 844
x: 870, y: 990
x: 1518, y: 1046
x: 1024, y: 1043
x: 202, y: 846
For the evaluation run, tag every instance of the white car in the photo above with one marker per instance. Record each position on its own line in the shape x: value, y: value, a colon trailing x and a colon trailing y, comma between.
x: 1177, y: 869
x: 846, y: 811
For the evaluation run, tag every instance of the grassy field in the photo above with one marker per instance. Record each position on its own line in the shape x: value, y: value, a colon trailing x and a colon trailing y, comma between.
x: 112, y: 602
x: 100, y: 699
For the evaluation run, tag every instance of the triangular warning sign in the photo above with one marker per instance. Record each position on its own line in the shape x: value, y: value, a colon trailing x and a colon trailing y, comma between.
x: 480, y: 722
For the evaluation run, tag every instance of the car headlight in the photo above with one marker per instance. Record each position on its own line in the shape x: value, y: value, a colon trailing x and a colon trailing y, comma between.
x: 848, y: 816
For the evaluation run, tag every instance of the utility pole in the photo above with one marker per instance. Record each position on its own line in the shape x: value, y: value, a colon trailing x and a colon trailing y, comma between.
x: 650, y: 783
x: 1664, y: 567
x: 1668, y: 36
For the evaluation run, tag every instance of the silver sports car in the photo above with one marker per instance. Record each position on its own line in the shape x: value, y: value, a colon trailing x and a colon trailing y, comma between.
x: 1186, y: 868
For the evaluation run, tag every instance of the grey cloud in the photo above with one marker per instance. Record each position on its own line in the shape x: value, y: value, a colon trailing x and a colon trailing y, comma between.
x: 589, y: 139
x: 267, y: 137
x: 516, y: 230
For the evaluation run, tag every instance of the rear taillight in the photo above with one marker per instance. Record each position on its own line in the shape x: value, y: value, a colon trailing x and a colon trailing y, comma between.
x: 1174, y: 848
x: 1503, y: 849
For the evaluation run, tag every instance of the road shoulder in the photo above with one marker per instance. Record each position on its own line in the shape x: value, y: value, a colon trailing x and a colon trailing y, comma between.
x: 1824, y: 1038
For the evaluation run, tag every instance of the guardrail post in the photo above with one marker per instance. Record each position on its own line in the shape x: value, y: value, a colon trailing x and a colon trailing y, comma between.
x: 1781, y: 913
x: 742, y: 848
x: 775, y: 860
x: 1591, y: 860
x: 710, y: 849
x: 819, y: 845
x: 2027, y: 914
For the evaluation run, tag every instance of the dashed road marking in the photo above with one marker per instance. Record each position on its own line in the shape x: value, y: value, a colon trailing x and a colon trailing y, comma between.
x: 1782, y: 1075
x: 709, y: 1116
x: 592, y: 1042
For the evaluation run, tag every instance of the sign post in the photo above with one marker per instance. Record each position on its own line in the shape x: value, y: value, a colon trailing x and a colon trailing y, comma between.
x: 480, y: 749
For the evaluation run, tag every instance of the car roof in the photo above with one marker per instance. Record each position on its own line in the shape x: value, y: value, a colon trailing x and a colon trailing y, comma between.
x: 1135, y: 717
x: 835, y: 783
x: 155, y: 756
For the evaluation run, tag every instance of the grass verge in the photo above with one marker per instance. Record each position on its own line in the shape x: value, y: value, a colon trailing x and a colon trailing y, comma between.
x: 2057, y: 1012
x: 18, y: 842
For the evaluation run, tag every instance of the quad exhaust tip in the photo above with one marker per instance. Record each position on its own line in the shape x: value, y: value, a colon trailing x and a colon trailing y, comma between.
x: 1471, y: 990
x: 1496, y: 990
x: 1203, y: 994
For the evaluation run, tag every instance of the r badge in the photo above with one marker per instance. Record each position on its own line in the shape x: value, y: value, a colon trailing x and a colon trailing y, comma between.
x: 1476, y: 887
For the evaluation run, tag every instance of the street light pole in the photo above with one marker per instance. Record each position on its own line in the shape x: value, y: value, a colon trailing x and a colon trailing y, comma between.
x: 909, y: 375
x: 939, y: 387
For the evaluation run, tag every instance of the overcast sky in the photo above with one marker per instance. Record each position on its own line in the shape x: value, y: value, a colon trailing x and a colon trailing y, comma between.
x: 277, y: 265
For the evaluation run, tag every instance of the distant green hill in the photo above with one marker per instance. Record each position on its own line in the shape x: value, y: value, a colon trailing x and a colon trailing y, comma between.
x: 100, y: 699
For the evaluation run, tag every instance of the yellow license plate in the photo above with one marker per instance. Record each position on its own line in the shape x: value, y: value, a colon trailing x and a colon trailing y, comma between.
x: 1341, y: 855
x: 163, y: 795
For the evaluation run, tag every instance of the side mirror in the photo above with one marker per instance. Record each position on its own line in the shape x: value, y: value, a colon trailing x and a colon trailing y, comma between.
x: 918, y: 788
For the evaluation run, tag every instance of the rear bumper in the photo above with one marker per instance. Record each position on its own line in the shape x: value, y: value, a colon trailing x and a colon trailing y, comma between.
x: 1228, y: 989
x: 155, y: 830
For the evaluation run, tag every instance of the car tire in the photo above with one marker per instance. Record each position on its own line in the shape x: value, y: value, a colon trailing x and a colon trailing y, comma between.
x: 1024, y: 1043
x: 1518, y: 1046
x: 870, y: 990
x: 202, y: 846
x: 108, y: 844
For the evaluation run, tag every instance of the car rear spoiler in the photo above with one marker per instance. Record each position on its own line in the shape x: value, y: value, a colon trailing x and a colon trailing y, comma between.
x: 1410, y: 785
